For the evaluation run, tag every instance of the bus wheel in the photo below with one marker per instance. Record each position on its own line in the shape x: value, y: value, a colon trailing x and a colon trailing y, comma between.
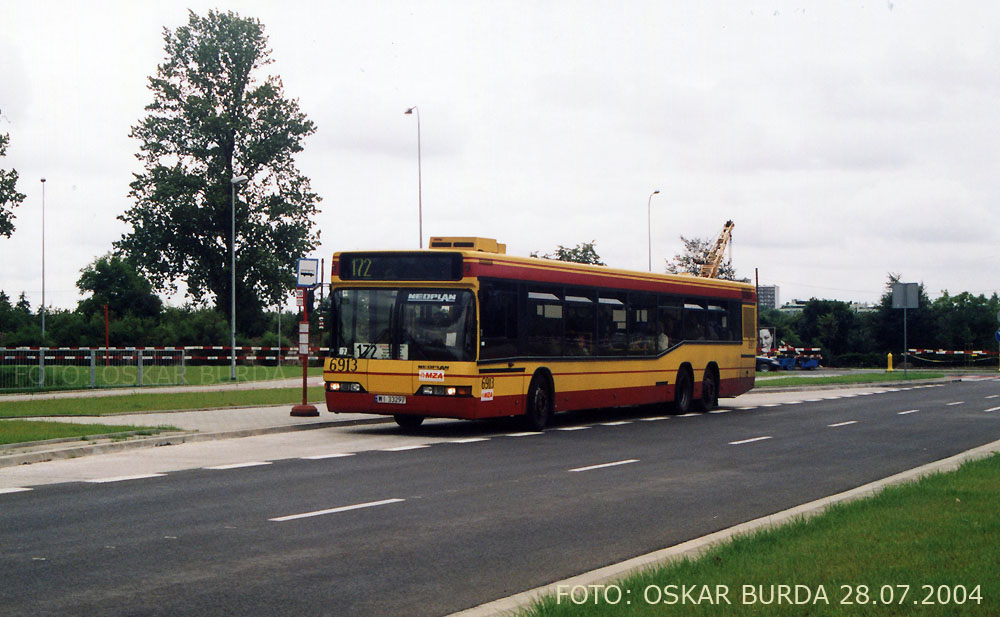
x: 709, y: 391
x: 539, y: 404
x: 683, y: 392
x: 408, y: 422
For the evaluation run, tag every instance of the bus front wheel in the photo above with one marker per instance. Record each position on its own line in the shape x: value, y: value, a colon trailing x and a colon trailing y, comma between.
x: 408, y: 422
x: 539, y: 408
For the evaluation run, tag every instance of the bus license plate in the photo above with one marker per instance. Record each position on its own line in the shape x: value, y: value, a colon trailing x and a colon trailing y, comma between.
x: 394, y: 399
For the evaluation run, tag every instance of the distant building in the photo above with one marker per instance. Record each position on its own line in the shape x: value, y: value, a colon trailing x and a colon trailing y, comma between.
x: 767, y: 297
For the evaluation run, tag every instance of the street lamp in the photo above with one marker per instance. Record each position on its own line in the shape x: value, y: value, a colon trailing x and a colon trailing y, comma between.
x: 420, y: 205
x: 232, y: 279
x: 649, y: 228
x: 43, y: 262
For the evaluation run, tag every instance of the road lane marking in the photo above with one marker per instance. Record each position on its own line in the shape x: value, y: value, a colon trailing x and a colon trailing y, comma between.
x: 741, y: 442
x: 523, y: 434
x: 370, y: 504
x: 720, y: 411
x: 746, y: 408
x: 469, y: 440
x: 654, y: 419
x: 405, y: 448
x: 908, y: 411
x: 6, y: 491
x: 955, y: 403
x: 320, y: 457
x: 793, y: 403
x: 842, y: 423
x: 125, y: 478
x: 689, y: 415
x: 238, y: 465
x: 615, y: 423
x: 573, y: 428
x: 603, y: 465
x: 992, y: 409
x: 993, y: 396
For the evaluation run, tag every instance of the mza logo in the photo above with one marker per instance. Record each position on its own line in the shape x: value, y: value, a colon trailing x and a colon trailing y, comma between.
x: 428, y: 375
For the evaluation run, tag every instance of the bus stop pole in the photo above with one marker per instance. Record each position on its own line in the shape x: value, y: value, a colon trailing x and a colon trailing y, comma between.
x: 305, y: 409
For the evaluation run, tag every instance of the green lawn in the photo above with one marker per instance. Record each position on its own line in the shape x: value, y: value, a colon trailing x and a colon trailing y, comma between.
x: 21, y: 431
x: 853, y: 378
x: 153, y: 401
x: 926, y: 548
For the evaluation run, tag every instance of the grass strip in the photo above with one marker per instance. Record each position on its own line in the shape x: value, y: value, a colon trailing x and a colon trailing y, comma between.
x: 928, y: 548
x: 21, y: 431
x: 152, y: 401
x: 855, y: 378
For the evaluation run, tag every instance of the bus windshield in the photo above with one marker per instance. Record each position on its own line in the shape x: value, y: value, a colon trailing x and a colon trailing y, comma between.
x: 405, y: 324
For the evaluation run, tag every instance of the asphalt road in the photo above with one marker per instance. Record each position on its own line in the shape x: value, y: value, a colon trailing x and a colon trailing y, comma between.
x: 461, y: 514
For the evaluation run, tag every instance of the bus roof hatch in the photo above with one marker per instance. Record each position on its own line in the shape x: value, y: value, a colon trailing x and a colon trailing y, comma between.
x: 486, y: 245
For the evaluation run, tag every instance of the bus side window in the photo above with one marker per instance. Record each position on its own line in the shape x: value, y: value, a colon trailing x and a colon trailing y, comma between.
x: 498, y: 320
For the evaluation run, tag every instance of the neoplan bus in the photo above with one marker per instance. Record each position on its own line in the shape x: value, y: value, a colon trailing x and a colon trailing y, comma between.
x: 462, y: 330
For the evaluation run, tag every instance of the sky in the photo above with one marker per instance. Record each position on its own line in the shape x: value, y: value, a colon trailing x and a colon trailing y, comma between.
x: 845, y: 140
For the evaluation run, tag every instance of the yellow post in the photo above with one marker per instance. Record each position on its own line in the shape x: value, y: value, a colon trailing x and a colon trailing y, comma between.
x: 889, y: 370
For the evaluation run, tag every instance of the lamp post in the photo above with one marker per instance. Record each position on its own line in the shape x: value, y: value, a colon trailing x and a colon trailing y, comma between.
x: 232, y: 279
x: 420, y: 205
x: 649, y: 227
x: 43, y: 262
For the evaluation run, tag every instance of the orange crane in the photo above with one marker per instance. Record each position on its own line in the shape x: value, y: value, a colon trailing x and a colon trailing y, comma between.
x: 710, y: 269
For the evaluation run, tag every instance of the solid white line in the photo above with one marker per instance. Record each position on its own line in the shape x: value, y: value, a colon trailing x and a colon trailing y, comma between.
x: 469, y: 440
x: 125, y: 478
x: 5, y: 491
x: 238, y: 465
x: 370, y: 504
x: 842, y: 423
x: 615, y: 464
x: 319, y: 457
x: 523, y: 434
x: 616, y: 423
x: 737, y: 443
x: 955, y: 403
x: 573, y: 428
x: 903, y: 413
x: 993, y: 409
x: 405, y: 448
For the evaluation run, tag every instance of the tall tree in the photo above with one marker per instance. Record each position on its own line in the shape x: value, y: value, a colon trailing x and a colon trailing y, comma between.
x: 9, y: 197
x: 113, y: 281
x: 695, y: 255
x: 214, y: 118
x: 583, y: 253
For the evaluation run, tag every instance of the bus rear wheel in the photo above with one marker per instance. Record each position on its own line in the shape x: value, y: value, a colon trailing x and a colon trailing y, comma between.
x: 539, y: 407
x: 683, y: 392
x: 408, y: 422
x: 709, y: 391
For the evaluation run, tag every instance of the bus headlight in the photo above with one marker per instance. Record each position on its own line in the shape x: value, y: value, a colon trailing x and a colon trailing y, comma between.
x: 445, y: 390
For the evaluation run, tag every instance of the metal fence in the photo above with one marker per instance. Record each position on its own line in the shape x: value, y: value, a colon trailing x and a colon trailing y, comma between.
x: 54, y: 368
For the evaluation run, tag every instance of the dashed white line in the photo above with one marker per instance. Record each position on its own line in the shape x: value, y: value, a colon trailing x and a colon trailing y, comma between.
x: 125, y: 478
x: 603, y: 465
x: 746, y: 408
x: 654, y: 419
x: 992, y: 409
x: 842, y: 423
x: 469, y: 440
x: 908, y: 411
x: 743, y: 441
x: 616, y: 423
x: 689, y: 415
x: 573, y: 428
x: 523, y: 434
x: 720, y: 411
x: 238, y: 465
x: 405, y: 448
x: 955, y: 403
x: 370, y: 504
x: 320, y: 457
x: 993, y: 396
x: 6, y: 491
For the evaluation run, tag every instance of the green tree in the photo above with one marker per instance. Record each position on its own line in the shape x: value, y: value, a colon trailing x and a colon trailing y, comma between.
x: 583, y: 253
x: 695, y: 255
x: 113, y: 281
x: 214, y: 118
x: 9, y: 197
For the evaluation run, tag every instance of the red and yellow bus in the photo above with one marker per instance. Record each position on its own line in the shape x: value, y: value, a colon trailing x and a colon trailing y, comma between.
x: 462, y: 330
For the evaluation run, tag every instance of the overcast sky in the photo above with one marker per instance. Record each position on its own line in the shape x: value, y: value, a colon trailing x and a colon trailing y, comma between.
x: 846, y: 140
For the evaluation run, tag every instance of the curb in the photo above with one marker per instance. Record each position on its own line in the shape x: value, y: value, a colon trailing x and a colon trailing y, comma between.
x: 694, y: 548
x: 170, y: 439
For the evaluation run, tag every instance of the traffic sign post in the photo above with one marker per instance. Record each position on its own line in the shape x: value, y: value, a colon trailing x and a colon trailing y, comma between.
x: 304, y: 409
